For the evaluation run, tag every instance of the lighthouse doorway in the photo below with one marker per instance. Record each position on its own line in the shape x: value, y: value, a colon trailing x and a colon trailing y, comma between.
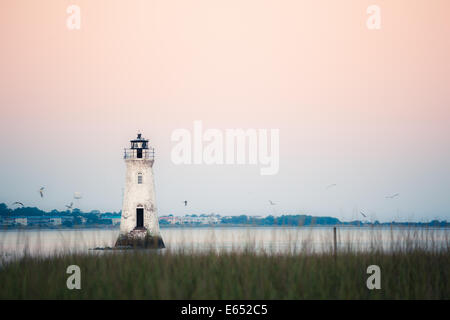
x: 139, y: 217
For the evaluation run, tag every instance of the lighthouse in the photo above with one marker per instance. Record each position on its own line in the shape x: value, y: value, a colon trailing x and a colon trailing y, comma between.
x: 139, y: 225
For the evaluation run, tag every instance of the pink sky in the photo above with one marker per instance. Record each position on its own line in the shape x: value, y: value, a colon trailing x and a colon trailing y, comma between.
x: 367, y: 110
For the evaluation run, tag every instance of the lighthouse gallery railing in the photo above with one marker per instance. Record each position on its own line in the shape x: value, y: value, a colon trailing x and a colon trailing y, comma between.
x: 148, y: 154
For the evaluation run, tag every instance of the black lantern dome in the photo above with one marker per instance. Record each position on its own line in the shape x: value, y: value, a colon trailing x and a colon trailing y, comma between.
x: 139, y: 142
x: 139, y: 149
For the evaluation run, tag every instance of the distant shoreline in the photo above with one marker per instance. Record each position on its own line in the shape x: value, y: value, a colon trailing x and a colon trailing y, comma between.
x: 223, y: 226
x: 31, y: 218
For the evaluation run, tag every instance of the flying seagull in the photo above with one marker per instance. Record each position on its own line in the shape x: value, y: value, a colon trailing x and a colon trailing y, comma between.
x: 41, y: 192
x: 393, y: 196
x: 19, y: 203
x: 69, y: 206
x: 363, y: 214
x: 331, y: 185
x: 272, y: 203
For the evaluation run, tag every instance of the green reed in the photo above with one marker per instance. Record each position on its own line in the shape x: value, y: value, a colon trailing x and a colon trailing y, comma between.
x: 408, y: 272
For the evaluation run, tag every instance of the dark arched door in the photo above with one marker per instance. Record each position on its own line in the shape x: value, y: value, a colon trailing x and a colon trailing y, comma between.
x: 139, y: 217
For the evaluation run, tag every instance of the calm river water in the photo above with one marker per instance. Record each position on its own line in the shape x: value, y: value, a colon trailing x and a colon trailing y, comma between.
x: 268, y: 239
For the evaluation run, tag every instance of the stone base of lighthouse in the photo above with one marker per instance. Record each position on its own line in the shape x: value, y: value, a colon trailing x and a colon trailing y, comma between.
x: 140, y: 239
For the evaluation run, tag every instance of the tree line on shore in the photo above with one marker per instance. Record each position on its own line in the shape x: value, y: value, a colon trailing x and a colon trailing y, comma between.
x: 96, y: 217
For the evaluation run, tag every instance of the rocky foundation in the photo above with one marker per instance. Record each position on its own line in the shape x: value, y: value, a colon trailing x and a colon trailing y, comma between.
x: 140, y: 240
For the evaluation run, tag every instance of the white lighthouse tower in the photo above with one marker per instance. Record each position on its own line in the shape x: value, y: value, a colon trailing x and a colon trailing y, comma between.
x: 139, y: 225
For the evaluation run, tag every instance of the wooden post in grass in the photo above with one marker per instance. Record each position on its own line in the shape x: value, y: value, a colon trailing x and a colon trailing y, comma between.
x: 335, y: 242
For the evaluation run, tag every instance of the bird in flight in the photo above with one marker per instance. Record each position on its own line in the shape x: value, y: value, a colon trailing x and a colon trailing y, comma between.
x: 41, y: 192
x: 331, y: 185
x: 69, y: 206
x: 393, y: 196
x: 185, y: 203
x: 272, y: 203
x: 363, y: 214
x: 19, y: 203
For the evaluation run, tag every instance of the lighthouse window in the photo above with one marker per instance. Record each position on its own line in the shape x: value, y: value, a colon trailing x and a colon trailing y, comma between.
x: 139, y: 178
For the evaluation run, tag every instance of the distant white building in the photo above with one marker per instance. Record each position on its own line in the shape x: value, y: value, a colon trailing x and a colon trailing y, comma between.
x: 21, y: 221
x: 56, y: 221
x: 214, y: 220
x: 202, y: 219
x: 170, y: 219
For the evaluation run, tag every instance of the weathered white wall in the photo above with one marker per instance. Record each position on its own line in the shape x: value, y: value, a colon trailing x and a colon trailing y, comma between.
x: 136, y: 195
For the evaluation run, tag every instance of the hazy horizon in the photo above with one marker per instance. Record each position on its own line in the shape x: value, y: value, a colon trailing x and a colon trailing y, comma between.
x: 367, y: 110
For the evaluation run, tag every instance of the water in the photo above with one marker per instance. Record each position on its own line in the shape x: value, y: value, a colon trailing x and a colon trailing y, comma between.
x: 15, y: 243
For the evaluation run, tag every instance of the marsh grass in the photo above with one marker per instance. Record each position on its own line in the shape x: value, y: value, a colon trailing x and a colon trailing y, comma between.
x: 414, y: 265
